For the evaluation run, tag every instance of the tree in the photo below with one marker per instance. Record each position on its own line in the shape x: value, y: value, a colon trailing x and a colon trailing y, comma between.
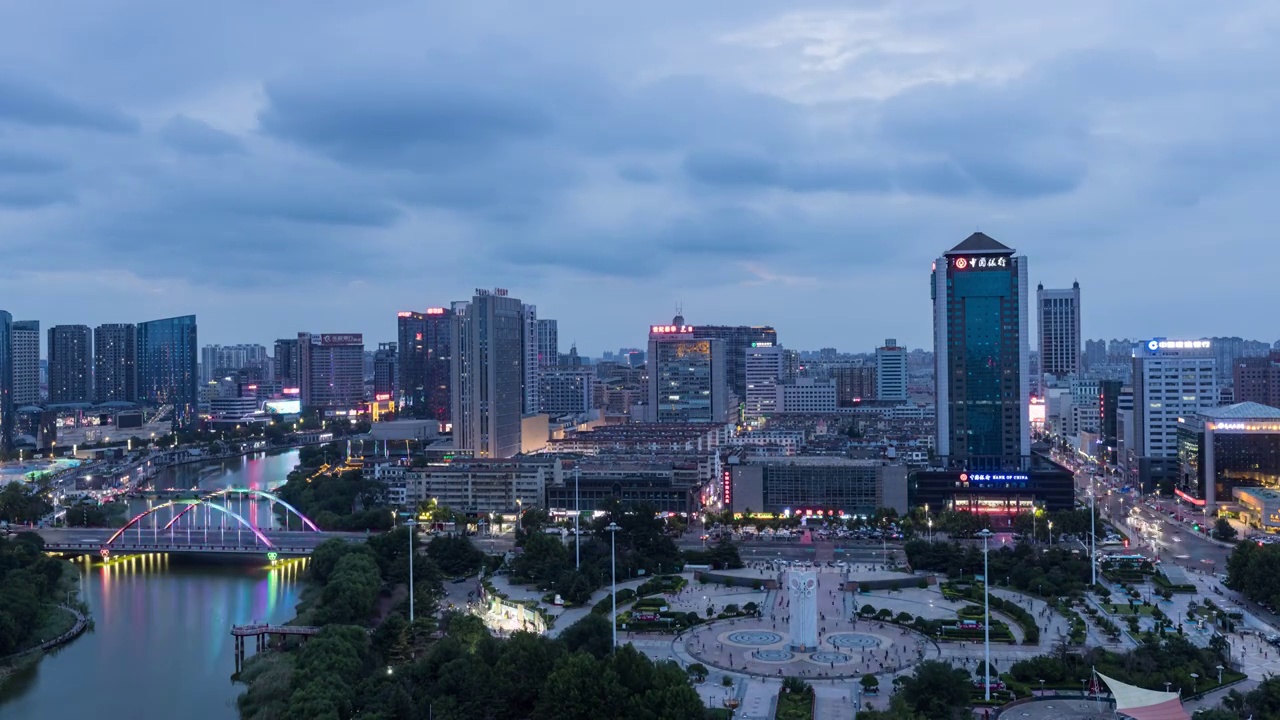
x: 936, y: 690
x: 869, y: 683
x: 1223, y: 530
x: 592, y: 634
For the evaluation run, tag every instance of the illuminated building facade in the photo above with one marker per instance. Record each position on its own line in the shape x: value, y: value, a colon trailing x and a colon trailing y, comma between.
x: 687, y: 380
x: 736, y: 339
x: 982, y: 371
x: 70, y: 364
x: 386, y: 372
x: 331, y: 366
x: 167, y: 360
x: 424, y: 359
x: 1237, y: 445
x: 115, y: 363
x: 1171, y: 379
x: 981, y: 355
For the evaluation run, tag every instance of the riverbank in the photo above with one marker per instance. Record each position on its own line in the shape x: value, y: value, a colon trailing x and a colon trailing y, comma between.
x: 69, y: 622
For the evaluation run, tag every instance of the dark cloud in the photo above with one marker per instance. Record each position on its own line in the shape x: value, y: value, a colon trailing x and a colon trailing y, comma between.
x: 398, y: 119
x: 198, y: 137
x: 30, y: 103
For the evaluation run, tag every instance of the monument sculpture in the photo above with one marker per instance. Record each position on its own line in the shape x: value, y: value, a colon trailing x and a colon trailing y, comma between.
x: 802, y: 588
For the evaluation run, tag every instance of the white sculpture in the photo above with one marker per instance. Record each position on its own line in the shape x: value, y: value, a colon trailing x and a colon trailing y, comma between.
x: 802, y: 587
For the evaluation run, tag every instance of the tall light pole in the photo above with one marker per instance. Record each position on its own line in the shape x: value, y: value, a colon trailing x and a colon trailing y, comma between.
x: 577, y: 512
x: 613, y: 565
x: 412, y: 524
x: 1093, y: 529
x: 930, y: 530
x: 1050, y: 533
x: 986, y: 612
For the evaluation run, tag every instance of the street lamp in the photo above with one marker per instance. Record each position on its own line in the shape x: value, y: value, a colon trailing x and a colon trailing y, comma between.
x: 613, y: 566
x: 1194, y: 678
x: 930, y: 529
x: 1093, y: 531
x: 1050, y: 533
x: 577, y: 512
x: 986, y: 622
x: 1219, y: 669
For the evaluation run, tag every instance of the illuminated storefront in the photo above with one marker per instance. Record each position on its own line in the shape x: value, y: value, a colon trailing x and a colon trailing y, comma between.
x: 1237, y: 446
x: 999, y: 495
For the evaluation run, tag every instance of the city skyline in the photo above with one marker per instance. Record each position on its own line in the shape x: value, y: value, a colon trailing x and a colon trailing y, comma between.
x: 744, y: 160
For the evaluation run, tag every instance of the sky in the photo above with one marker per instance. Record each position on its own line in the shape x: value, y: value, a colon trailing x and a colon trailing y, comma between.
x: 319, y: 165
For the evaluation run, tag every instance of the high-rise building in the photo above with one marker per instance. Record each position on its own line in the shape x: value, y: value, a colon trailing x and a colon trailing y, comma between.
x: 854, y: 384
x: 487, y: 337
x: 286, y: 361
x: 1058, y: 312
x: 167, y: 358
x: 331, y: 366
x: 1108, y: 418
x: 1255, y: 379
x: 688, y: 380
x: 891, y: 372
x: 1095, y: 353
x: 1119, y: 350
x: 980, y: 354
x: 424, y: 349
x: 548, y: 344
x: 764, y: 366
x: 6, y: 381
x: 736, y: 339
x: 532, y: 360
x: 115, y: 363
x: 567, y: 390
x: 26, y: 362
x: 70, y: 364
x: 1171, y: 379
x: 386, y: 371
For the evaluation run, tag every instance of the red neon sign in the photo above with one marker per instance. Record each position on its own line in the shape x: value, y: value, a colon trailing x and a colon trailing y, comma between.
x: 435, y: 311
x: 727, y: 485
x: 1188, y: 498
x: 380, y: 397
x: 292, y: 391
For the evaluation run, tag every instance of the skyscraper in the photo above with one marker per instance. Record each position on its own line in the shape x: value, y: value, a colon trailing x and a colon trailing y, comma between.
x: 764, y: 368
x: 548, y: 344
x: 980, y: 354
x: 167, y: 358
x: 26, y: 362
x: 331, y: 369
x: 115, y: 363
x: 6, y: 381
x: 286, y: 361
x: 70, y: 364
x: 736, y: 339
x: 1095, y: 353
x: 386, y: 371
x: 1171, y: 379
x: 687, y: 375
x: 891, y: 372
x: 487, y: 338
x: 532, y: 358
x: 1058, y: 312
x: 424, y: 360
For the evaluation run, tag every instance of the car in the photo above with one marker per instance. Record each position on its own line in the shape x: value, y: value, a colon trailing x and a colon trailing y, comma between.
x: 459, y: 580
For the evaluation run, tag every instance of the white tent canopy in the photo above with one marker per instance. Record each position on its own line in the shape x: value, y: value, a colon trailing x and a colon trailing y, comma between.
x: 1142, y: 704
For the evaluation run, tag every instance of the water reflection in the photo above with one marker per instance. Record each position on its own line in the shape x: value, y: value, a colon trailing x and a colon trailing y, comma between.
x: 161, y: 646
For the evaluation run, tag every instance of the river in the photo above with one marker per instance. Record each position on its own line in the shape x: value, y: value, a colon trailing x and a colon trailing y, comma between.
x: 161, y: 646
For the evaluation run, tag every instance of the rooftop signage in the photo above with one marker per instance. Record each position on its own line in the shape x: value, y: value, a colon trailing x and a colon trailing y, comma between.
x: 671, y: 329
x: 1248, y: 427
x: 342, y: 339
x: 1158, y: 344
x: 979, y: 263
x: 435, y: 311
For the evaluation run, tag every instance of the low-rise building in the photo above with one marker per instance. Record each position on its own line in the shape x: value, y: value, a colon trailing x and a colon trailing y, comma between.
x: 483, y: 486
x: 827, y: 486
x: 1259, y: 507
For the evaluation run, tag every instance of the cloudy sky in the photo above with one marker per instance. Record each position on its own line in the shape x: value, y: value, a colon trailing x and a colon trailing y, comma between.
x: 320, y: 165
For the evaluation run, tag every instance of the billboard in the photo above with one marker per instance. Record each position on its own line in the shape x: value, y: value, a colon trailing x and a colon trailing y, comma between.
x: 283, y: 407
x: 342, y: 339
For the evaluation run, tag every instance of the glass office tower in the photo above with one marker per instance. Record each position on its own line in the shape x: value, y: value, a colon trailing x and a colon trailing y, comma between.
x: 167, y: 358
x: 981, y: 355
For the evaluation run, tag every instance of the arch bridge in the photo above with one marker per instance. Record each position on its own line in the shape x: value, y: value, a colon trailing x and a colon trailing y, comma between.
x: 227, y: 521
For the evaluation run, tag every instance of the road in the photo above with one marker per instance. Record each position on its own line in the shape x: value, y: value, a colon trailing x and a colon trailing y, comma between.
x: 95, y: 537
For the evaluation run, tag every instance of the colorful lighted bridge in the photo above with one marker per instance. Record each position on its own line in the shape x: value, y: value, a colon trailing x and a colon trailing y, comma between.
x: 232, y: 521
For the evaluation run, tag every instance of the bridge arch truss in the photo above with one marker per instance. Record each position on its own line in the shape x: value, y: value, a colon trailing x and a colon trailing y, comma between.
x: 188, y: 506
